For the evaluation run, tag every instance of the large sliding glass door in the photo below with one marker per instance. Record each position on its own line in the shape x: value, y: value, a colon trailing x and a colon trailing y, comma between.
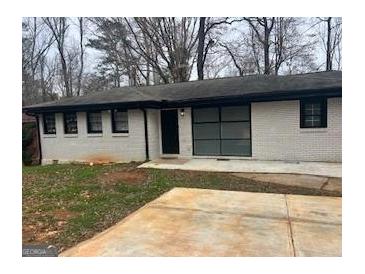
x: 222, y: 131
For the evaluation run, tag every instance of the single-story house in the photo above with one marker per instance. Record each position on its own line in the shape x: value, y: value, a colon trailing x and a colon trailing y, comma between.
x: 261, y: 117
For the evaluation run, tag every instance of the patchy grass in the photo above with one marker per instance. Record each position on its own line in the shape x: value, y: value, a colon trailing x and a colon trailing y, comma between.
x: 66, y: 204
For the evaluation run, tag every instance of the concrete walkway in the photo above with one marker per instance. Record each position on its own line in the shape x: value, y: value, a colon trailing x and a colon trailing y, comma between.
x: 252, y: 166
x: 200, y: 222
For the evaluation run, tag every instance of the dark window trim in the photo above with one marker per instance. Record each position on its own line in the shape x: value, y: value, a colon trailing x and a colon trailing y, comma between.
x: 323, y: 116
x: 114, y: 130
x: 65, y: 123
x: 88, y: 122
x: 45, y: 130
x: 219, y: 106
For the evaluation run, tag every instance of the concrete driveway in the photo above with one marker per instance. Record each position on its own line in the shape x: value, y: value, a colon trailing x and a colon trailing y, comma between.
x: 200, y: 222
x: 252, y: 166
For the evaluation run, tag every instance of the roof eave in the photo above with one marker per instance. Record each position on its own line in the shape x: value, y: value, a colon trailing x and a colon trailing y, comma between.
x: 262, y: 97
x: 86, y: 107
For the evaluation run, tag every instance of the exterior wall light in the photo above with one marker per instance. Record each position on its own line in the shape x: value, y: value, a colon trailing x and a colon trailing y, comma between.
x: 182, y: 112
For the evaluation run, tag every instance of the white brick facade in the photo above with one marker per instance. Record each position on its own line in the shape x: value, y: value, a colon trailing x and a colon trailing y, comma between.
x: 103, y: 147
x: 276, y: 135
x: 185, y: 134
x: 153, y: 122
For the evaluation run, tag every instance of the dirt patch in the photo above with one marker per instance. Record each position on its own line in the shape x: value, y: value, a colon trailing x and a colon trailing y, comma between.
x: 101, y: 159
x: 29, y: 233
x: 62, y: 214
x: 38, y: 233
x: 43, y: 231
x: 133, y: 177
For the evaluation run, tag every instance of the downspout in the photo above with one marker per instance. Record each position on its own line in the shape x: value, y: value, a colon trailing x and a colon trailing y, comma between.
x: 39, y: 139
x: 146, y: 134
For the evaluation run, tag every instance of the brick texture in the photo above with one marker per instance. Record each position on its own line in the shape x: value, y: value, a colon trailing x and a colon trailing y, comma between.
x: 96, y: 147
x: 276, y: 133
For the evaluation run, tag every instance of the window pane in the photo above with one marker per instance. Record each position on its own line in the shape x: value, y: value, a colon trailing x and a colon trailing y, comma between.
x: 236, y: 147
x: 120, y: 121
x: 235, y: 130
x: 95, y: 124
x: 312, y: 109
x: 207, y: 147
x: 239, y: 113
x: 70, y: 123
x: 312, y: 121
x: 121, y: 126
x: 120, y: 116
x: 206, y: 131
x: 49, y: 123
x: 206, y: 115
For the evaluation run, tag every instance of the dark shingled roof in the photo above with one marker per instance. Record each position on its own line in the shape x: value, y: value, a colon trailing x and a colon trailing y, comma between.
x: 246, y: 87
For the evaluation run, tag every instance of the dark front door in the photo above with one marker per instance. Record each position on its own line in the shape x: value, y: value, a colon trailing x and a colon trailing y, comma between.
x: 170, y: 132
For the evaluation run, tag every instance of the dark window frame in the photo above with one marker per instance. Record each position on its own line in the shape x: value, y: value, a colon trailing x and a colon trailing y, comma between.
x: 89, y: 130
x: 220, y: 128
x: 65, y: 128
x: 323, y: 112
x: 114, y: 130
x: 45, y: 128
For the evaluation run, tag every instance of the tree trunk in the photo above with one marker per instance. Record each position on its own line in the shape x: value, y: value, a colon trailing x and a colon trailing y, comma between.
x: 79, y: 77
x: 266, y: 48
x: 201, y: 41
x: 329, y: 47
x: 64, y: 72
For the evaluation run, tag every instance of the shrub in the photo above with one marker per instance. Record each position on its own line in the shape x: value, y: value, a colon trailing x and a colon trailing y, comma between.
x: 27, y: 139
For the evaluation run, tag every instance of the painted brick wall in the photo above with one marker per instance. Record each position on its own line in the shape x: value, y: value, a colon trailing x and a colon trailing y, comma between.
x: 185, y: 134
x: 276, y: 133
x: 153, y: 122
x: 108, y: 146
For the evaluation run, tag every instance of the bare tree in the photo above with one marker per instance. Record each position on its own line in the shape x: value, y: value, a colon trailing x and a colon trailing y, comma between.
x: 59, y: 27
x: 82, y: 52
x: 262, y: 26
x: 207, y: 25
x: 235, y: 60
x: 217, y: 64
x: 201, y: 42
x: 291, y: 45
x: 287, y: 49
x: 36, y: 44
x: 242, y: 58
x: 173, y: 41
x: 331, y: 38
x: 144, y: 51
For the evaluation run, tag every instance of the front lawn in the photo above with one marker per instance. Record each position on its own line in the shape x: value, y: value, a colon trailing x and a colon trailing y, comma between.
x: 66, y: 204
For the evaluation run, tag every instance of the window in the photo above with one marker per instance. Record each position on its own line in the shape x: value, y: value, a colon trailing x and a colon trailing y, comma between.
x: 94, y: 123
x: 119, y: 121
x: 222, y: 131
x: 49, y: 123
x: 313, y: 113
x: 70, y: 122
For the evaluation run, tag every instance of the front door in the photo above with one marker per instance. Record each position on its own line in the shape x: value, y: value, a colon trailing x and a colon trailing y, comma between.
x: 170, y: 132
